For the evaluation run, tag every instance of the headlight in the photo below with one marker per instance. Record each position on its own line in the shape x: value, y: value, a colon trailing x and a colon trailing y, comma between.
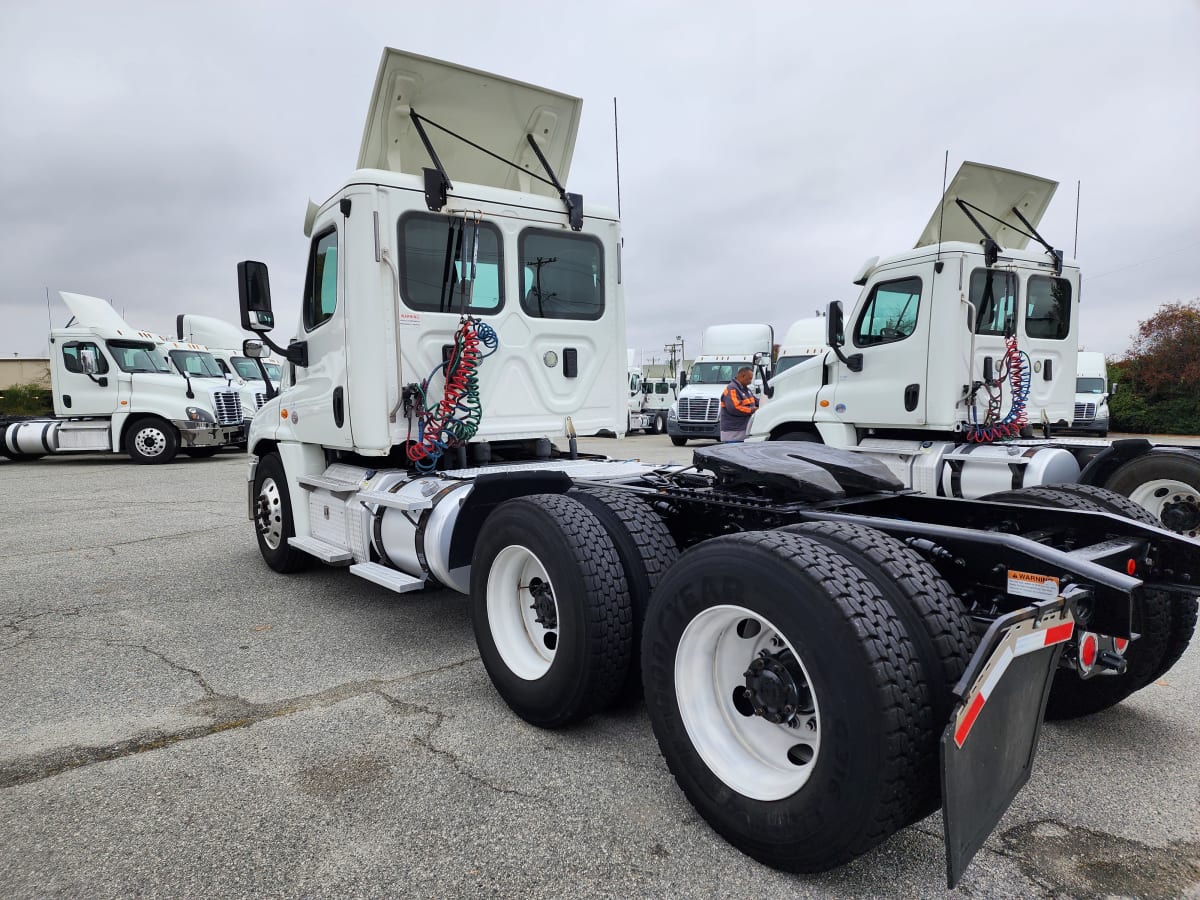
x: 196, y: 414
x: 672, y: 413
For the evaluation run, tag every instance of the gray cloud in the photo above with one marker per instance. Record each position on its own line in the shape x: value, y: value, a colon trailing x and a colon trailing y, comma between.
x: 765, y: 152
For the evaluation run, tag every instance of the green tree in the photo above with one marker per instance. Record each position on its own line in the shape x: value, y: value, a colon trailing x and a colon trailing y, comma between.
x: 1160, y: 374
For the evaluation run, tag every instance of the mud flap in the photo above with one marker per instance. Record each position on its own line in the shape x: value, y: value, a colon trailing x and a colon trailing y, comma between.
x: 989, y: 745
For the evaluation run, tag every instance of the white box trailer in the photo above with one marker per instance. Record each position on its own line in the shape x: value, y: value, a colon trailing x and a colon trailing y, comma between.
x: 829, y: 658
x: 114, y: 390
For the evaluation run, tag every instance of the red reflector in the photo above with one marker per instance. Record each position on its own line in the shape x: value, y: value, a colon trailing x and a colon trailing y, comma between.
x: 1058, y: 633
x: 1087, y: 652
x: 1131, y: 567
x: 1120, y: 644
x: 969, y: 719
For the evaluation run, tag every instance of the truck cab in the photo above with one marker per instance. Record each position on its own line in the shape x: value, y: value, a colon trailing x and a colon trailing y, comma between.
x: 1092, y: 391
x: 225, y: 341
x: 724, y: 349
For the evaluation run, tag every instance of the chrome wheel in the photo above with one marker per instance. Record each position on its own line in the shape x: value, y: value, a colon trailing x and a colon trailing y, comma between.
x: 150, y: 441
x: 522, y: 612
x: 270, y: 513
x: 747, y: 702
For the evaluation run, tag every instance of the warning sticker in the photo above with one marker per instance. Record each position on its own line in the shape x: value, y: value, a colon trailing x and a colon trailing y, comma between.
x: 1036, y: 587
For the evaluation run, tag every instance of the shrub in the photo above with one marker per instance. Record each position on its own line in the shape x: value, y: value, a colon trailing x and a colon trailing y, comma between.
x: 29, y: 399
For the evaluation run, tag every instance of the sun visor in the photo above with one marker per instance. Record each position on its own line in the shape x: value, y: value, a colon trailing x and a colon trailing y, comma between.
x: 493, y: 112
x: 93, y: 312
x: 997, y: 191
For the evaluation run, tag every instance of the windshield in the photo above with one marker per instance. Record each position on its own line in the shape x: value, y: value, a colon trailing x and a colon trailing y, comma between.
x: 196, y: 363
x: 246, y: 367
x: 715, y: 373
x: 137, y: 356
x: 1089, y: 385
x: 274, y: 371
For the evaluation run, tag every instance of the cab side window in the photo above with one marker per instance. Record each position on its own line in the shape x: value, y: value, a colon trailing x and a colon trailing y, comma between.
x: 320, y: 287
x: 73, y: 350
x: 1048, y: 308
x: 890, y: 314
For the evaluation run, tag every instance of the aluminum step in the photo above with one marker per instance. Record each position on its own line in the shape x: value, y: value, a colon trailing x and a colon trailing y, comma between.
x: 395, y: 501
x: 333, y: 485
x: 391, y: 579
x: 327, y: 553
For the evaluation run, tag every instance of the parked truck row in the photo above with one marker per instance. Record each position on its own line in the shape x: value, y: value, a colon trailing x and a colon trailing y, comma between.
x: 827, y: 655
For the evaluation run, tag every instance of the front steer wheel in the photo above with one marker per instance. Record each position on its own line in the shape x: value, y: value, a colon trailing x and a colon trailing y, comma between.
x: 151, y: 441
x: 551, y: 610
x: 273, y: 523
x: 786, y: 698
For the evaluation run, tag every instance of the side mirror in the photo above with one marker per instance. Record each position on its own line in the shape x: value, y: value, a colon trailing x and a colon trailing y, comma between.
x: 1112, y: 389
x: 835, y: 334
x: 87, y: 361
x: 682, y: 380
x: 254, y: 349
x: 254, y: 296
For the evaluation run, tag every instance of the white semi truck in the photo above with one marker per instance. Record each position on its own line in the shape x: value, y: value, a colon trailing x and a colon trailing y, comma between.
x: 959, y: 351
x: 724, y: 349
x: 1092, y: 391
x: 646, y: 412
x: 805, y: 340
x: 254, y: 378
x: 829, y: 659
x: 114, y: 390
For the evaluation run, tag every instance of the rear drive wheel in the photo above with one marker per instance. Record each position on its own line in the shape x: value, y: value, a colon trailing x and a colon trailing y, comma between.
x: 550, y: 608
x: 678, y: 440
x: 933, y: 616
x: 273, y: 523
x: 656, y: 424
x: 1167, y: 483
x: 151, y: 441
x: 645, y: 548
x: 1070, y: 695
x: 785, y: 697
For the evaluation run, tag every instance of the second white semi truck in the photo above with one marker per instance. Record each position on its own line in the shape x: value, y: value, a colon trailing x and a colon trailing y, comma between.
x: 825, y: 657
x: 115, y: 391
x: 959, y: 358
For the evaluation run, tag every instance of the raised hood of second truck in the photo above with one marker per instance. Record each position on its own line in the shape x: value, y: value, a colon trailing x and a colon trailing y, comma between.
x: 494, y: 112
x: 993, y: 189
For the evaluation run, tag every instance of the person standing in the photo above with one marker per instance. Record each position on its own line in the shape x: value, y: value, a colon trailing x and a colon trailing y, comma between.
x: 738, y: 404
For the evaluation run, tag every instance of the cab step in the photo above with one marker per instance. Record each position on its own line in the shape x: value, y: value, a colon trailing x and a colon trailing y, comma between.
x: 393, y: 580
x: 327, y: 553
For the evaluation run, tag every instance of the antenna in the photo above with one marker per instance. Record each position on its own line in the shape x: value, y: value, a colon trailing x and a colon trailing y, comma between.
x: 942, y: 207
x: 49, y: 321
x: 1075, y: 249
x: 617, y: 147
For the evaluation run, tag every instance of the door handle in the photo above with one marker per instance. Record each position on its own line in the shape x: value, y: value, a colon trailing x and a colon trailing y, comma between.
x: 339, y: 407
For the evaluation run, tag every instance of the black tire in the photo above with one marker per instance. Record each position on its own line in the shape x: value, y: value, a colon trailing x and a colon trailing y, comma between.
x: 1071, y: 696
x: 201, y: 452
x: 1176, y: 510
x: 932, y: 614
x: 655, y: 426
x: 678, y: 440
x: 808, y: 436
x: 151, y: 441
x: 593, y: 643
x: 646, y: 550
x: 660, y: 423
x: 871, y: 708
x: 273, y: 522
x: 1102, y: 498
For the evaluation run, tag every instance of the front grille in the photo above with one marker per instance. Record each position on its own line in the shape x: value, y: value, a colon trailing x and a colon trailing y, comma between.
x: 228, y: 406
x: 259, y: 400
x: 698, y: 409
x: 1085, y: 412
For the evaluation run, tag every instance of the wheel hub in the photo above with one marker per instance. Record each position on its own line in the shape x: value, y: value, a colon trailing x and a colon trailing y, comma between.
x: 1181, y: 513
x: 545, y: 612
x: 775, y: 688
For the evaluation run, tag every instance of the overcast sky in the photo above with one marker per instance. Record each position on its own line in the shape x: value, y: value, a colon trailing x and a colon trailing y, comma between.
x: 767, y: 149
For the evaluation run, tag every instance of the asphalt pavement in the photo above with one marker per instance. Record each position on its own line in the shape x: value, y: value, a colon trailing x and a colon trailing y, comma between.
x: 180, y: 721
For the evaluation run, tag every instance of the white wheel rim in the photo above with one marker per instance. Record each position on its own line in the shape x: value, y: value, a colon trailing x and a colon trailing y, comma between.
x: 516, y: 580
x: 757, y: 758
x: 1157, y: 495
x: 150, y: 441
x: 270, y: 514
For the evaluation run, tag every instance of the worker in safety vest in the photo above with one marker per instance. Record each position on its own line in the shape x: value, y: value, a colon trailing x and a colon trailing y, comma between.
x: 737, y: 406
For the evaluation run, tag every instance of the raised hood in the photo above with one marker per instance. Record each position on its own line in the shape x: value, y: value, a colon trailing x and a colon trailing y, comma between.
x: 210, y: 331
x: 93, y: 312
x: 997, y: 191
x: 488, y: 110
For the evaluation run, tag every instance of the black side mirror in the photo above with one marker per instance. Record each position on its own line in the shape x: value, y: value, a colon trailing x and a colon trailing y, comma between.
x: 254, y: 296
x: 1112, y: 389
x: 835, y: 337
x: 682, y: 380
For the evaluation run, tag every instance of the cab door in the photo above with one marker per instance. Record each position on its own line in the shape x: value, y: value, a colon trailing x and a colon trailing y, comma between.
x: 318, y: 404
x: 887, y: 344
x: 85, y: 382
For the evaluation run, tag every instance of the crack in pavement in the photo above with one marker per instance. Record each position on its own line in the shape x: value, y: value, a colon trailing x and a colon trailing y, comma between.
x: 15, y: 622
x: 152, y: 537
x: 225, y: 713
x: 457, y: 762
